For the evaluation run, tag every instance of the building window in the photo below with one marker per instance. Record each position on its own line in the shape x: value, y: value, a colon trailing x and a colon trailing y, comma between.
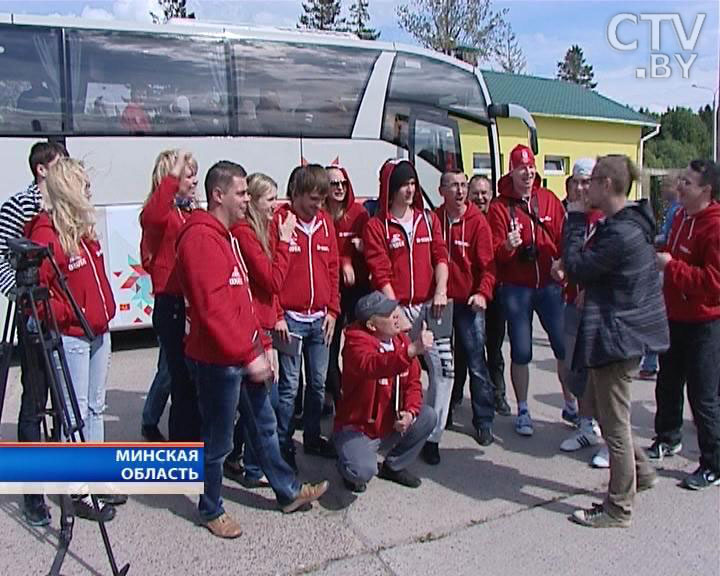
x: 556, y: 165
x: 482, y: 164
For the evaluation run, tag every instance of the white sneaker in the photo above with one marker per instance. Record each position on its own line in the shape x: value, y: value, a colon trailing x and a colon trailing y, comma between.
x: 583, y: 438
x: 601, y: 459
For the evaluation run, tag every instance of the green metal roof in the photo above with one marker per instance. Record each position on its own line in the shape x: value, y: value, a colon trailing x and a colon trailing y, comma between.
x: 554, y: 97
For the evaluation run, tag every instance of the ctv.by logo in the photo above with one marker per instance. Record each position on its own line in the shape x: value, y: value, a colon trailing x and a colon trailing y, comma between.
x: 660, y: 63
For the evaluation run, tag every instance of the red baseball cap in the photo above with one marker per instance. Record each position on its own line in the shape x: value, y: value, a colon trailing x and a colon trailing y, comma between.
x: 521, y: 156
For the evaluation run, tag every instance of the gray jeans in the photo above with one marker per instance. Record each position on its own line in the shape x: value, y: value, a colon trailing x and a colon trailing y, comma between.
x: 440, y: 367
x: 357, y: 453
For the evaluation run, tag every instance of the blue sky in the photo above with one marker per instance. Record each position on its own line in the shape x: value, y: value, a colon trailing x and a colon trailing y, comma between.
x: 545, y: 30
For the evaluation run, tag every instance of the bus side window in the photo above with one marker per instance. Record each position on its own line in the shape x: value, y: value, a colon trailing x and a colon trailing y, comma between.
x: 130, y: 83
x: 288, y: 83
x: 30, y: 98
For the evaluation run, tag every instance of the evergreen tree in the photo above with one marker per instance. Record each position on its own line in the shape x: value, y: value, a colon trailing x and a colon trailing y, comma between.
x: 359, y: 19
x: 574, y: 68
x: 321, y: 15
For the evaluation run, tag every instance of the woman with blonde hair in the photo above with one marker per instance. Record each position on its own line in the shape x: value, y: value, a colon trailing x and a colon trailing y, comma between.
x: 171, y: 200
x: 265, y: 250
x: 67, y: 226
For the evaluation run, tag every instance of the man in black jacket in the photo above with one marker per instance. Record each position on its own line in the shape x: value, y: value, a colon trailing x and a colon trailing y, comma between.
x: 622, y: 316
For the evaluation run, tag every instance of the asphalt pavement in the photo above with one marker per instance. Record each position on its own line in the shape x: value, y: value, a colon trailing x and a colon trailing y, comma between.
x: 496, y: 510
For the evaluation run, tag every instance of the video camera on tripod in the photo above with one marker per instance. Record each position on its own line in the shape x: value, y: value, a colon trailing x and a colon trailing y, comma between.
x: 32, y: 308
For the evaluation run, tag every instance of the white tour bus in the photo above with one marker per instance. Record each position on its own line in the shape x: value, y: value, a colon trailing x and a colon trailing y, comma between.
x: 116, y: 94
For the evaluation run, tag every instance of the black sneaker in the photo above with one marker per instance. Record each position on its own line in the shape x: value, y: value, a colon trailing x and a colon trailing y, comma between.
x: 152, y: 434
x: 502, y: 407
x: 233, y: 469
x: 113, y: 499
x: 402, y: 477
x: 431, y: 453
x: 321, y: 447
x: 37, y: 515
x: 659, y: 450
x: 356, y: 488
x: 251, y: 482
x: 700, y: 479
x: 84, y: 509
x: 484, y: 436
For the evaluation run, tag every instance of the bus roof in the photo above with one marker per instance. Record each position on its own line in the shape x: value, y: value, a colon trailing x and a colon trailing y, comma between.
x: 184, y: 26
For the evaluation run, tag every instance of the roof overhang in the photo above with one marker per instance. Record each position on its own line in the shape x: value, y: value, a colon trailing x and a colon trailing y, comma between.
x: 597, y: 119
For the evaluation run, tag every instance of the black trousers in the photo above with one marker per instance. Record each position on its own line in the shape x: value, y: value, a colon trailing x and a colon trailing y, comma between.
x: 693, y: 359
x: 494, y: 337
x: 348, y: 299
x: 34, y: 397
x: 169, y: 324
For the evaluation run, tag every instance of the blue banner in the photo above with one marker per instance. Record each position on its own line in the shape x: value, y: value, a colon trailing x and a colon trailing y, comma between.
x: 136, y: 463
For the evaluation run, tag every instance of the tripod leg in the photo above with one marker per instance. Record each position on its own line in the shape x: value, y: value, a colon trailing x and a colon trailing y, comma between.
x: 106, y: 542
x: 67, y: 522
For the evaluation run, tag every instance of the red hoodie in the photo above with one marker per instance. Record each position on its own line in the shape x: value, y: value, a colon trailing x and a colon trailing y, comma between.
x: 410, y: 271
x: 267, y: 274
x: 470, y: 254
x: 161, y: 221
x: 692, y: 277
x: 548, y: 238
x: 313, y: 267
x: 221, y: 327
x: 351, y: 226
x: 86, y: 280
x: 368, y: 383
x: 570, y: 290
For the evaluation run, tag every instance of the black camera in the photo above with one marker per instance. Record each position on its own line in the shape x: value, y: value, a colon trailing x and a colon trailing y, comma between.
x: 528, y: 253
x: 25, y: 258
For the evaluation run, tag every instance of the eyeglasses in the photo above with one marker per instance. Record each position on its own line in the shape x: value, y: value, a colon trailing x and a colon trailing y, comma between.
x: 338, y: 183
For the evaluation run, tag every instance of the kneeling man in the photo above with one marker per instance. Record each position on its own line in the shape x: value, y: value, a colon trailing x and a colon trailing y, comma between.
x: 381, y: 408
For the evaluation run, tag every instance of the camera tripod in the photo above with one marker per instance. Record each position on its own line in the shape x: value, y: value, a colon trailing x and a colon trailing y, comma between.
x: 31, y: 307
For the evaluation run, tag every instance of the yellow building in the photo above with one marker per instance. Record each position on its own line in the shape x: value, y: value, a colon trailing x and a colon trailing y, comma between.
x: 572, y: 122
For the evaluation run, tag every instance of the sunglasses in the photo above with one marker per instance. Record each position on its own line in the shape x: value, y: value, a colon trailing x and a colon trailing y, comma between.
x: 338, y: 183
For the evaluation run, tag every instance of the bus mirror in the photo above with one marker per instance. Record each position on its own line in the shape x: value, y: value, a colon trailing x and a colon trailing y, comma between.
x: 515, y: 111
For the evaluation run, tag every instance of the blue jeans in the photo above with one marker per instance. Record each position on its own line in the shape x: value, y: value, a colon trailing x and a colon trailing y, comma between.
x: 519, y: 303
x: 318, y: 356
x: 251, y: 462
x: 220, y: 392
x: 159, y: 392
x: 88, y: 364
x: 470, y: 334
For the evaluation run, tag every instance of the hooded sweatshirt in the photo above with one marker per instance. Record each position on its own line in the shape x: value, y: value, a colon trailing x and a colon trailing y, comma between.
x: 623, y: 314
x: 267, y: 274
x: 511, y: 269
x: 391, y: 258
x: 221, y: 327
x: 470, y: 254
x: 349, y: 227
x: 313, y: 267
x: 571, y: 290
x: 692, y: 277
x: 369, y: 380
x: 85, y: 278
x: 161, y: 221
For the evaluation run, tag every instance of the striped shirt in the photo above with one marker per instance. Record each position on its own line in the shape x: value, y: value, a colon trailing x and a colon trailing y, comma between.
x: 15, y: 213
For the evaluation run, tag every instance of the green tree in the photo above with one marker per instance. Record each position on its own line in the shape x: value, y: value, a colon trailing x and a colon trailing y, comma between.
x: 171, y: 9
x: 359, y: 19
x: 451, y: 25
x: 573, y: 68
x: 321, y: 15
x: 683, y: 136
